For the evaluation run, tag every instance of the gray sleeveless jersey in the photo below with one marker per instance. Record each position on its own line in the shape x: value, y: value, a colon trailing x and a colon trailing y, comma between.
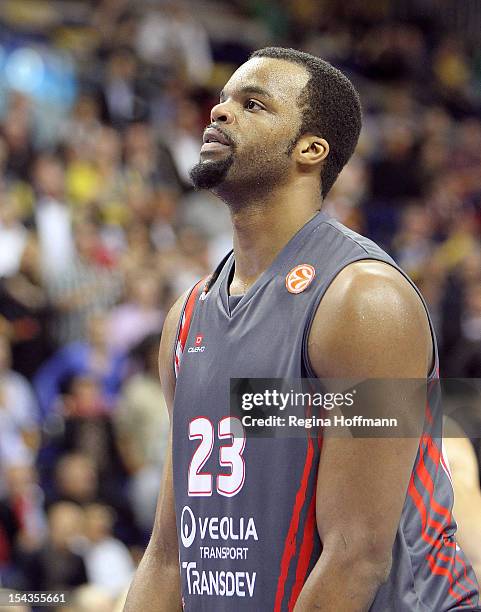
x: 246, y: 508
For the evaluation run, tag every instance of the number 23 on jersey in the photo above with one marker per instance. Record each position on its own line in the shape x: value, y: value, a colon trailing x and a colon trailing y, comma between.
x: 231, y: 430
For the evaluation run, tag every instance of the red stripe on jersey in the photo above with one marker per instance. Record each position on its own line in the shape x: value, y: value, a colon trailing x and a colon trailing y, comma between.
x: 189, y: 310
x: 458, y: 558
x: 307, y: 543
x: 429, y: 416
x: 442, y: 571
x: 305, y: 553
x: 426, y: 519
x: 419, y: 503
x: 446, y: 559
x: 185, y: 324
x: 436, y: 456
x: 290, y: 543
x: 426, y: 479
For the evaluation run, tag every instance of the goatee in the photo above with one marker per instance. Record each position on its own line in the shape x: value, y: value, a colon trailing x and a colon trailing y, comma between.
x: 209, y: 174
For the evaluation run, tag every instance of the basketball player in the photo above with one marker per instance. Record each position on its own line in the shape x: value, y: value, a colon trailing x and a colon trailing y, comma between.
x: 303, y: 524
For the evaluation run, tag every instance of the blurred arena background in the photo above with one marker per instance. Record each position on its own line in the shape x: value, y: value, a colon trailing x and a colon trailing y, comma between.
x: 102, y: 107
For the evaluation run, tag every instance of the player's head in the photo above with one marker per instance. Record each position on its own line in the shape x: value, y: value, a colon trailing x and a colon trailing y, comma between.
x: 283, y: 113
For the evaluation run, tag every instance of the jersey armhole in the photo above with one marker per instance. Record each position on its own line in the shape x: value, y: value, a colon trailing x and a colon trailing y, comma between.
x: 183, y: 325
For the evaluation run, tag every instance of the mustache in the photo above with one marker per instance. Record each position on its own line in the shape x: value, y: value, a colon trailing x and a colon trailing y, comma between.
x: 227, y: 136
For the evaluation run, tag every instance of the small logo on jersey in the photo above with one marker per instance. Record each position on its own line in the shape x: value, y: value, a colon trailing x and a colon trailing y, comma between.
x: 299, y: 278
x: 203, y: 295
x: 188, y: 527
x: 205, y: 288
x: 198, y: 346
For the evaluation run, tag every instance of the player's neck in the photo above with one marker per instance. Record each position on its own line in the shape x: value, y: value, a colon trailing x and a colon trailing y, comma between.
x: 262, y: 229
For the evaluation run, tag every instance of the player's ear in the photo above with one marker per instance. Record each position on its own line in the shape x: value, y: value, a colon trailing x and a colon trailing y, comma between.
x: 311, y: 150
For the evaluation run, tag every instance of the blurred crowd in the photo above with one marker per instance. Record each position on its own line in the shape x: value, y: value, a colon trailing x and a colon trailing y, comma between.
x: 100, y: 231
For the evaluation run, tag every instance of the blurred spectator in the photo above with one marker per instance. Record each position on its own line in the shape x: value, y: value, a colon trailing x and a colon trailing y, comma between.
x: 141, y: 152
x: 399, y: 159
x: 83, y: 398
x: 94, y: 177
x: 163, y: 220
x: 139, y: 314
x: 25, y: 499
x: 413, y: 242
x: 185, y: 139
x: 467, y: 352
x: 108, y: 562
x: 138, y: 253
x: 18, y: 138
x: 56, y: 566
x: 121, y: 94
x: 171, y: 40
x: 77, y: 479
x: 88, y: 287
x: 142, y: 428
x: 471, y: 324
x: 83, y: 427
x: 83, y: 126
x: 52, y: 218
x: 93, y: 357
x: 13, y: 237
x: 9, y: 527
x: 19, y: 416
x: 25, y: 310
x: 188, y: 262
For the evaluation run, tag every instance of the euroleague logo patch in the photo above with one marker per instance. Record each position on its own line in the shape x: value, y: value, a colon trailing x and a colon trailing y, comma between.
x: 299, y: 278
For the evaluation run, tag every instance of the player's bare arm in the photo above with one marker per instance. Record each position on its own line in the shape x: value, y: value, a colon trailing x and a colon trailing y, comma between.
x: 156, y: 585
x: 467, y: 494
x: 370, y: 324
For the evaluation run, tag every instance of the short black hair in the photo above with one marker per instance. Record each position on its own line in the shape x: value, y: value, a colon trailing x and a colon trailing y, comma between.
x: 330, y: 108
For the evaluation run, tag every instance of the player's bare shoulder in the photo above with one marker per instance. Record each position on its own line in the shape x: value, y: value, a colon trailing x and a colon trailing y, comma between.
x: 371, y: 322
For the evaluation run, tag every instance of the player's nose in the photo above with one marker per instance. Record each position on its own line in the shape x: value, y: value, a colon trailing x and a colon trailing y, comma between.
x: 221, y: 113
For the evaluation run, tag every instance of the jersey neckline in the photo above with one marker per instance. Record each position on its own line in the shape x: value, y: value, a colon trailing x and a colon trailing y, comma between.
x: 285, y: 255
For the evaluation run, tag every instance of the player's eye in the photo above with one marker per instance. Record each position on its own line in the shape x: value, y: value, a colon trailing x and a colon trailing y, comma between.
x: 253, y: 105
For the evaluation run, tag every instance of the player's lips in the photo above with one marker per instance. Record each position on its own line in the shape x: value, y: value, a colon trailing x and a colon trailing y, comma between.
x: 214, y: 140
